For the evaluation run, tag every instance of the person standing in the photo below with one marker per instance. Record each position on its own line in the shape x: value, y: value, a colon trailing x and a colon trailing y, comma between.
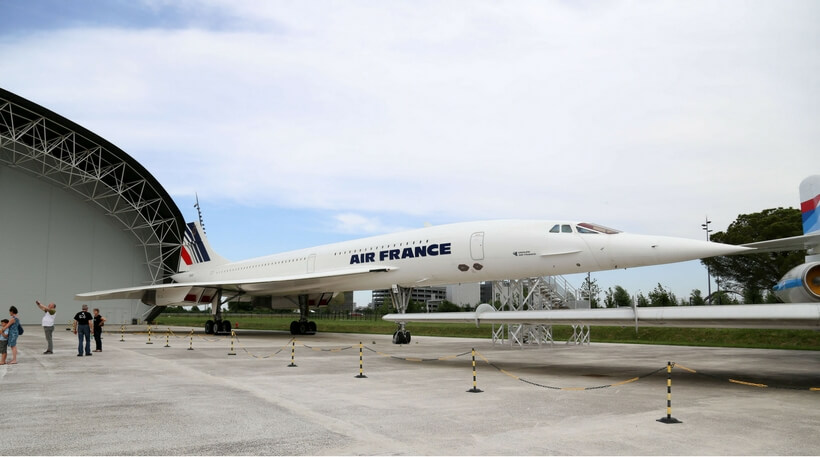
x: 48, y: 324
x: 82, y: 330
x: 98, y: 325
x: 4, y: 341
x: 13, y: 326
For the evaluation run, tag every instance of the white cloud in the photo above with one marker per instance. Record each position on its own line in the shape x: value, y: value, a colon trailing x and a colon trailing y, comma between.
x: 647, y: 117
x: 359, y: 224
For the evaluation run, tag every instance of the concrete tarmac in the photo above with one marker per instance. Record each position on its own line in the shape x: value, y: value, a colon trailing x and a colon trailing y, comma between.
x: 148, y: 399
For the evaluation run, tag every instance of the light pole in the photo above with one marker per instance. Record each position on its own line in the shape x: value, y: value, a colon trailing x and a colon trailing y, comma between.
x: 708, y: 270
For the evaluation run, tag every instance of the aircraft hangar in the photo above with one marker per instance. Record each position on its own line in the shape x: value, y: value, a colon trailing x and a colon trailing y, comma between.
x: 76, y: 214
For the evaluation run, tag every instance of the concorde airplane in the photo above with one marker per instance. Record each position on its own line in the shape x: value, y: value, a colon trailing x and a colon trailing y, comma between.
x: 799, y: 289
x: 449, y: 254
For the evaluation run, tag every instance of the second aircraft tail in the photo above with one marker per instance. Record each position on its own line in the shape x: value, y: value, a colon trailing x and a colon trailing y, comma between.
x: 809, y: 200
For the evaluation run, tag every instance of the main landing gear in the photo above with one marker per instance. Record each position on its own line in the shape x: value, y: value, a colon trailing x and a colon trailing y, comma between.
x: 217, y: 325
x: 303, y: 326
x: 401, y: 298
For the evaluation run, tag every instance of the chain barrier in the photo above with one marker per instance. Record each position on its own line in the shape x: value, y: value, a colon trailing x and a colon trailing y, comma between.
x: 544, y: 386
x: 744, y: 383
x: 317, y: 349
x: 242, y: 346
x: 415, y: 359
x: 292, y: 343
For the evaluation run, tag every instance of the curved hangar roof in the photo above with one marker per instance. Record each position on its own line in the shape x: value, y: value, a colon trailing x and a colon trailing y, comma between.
x: 53, y: 148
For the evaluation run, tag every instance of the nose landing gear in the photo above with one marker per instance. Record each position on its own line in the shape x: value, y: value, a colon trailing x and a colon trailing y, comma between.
x: 401, y: 298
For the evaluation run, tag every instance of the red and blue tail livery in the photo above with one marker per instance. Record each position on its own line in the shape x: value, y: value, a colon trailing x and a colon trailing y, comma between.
x: 810, y: 198
x: 193, y: 249
x: 196, y: 249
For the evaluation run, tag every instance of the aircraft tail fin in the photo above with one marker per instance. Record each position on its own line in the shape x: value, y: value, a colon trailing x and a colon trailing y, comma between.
x: 196, y: 250
x: 809, y: 201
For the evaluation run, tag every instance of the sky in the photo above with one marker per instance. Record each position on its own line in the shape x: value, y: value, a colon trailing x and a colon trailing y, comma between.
x: 298, y: 123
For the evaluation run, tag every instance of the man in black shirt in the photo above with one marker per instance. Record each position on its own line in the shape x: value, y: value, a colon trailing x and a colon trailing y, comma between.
x: 82, y: 329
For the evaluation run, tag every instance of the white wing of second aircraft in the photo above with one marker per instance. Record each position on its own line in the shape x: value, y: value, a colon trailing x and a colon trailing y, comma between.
x: 786, y: 315
x: 794, y: 243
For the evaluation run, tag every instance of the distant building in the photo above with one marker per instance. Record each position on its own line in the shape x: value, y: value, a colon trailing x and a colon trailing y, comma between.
x: 464, y: 295
x: 486, y: 292
x: 419, y: 295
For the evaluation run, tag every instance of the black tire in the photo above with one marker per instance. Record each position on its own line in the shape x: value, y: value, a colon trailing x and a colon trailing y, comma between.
x: 312, y: 327
x: 396, y: 337
x: 226, y: 327
x: 209, y: 327
x: 406, y: 337
x: 303, y: 326
x: 294, y: 328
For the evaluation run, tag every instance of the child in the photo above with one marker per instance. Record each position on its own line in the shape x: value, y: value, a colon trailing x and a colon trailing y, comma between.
x: 4, y: 341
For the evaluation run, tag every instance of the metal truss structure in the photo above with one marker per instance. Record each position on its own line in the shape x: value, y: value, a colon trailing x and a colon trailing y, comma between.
x: 539, y: 293
x: 52, y: 148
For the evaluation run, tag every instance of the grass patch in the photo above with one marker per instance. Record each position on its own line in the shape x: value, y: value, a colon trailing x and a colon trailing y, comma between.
x: 741, y: 338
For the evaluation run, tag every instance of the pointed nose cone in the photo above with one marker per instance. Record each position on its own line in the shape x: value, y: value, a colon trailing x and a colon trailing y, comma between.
x: 628, y: 250
x: 682, y: 249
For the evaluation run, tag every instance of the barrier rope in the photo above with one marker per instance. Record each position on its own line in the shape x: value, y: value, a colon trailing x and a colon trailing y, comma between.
x: 544, y: 386
x: 744, y: 383
x: 242, y: 346
x: 415, y: 359
x: 317, y: 349
x: 291, y: 343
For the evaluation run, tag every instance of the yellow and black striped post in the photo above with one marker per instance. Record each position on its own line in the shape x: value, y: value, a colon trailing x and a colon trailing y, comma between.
x: 122, y: 333
x: 232, y: 336
x: 475, y: 389
x: 361, y: 362
x: 149, y: 335
x: 191, y: 344
x: 168, y: 338
x: 669, y: 419
x: 293, y: 354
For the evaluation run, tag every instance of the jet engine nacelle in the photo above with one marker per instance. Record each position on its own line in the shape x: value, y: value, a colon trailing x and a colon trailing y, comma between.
x: 800, y: 285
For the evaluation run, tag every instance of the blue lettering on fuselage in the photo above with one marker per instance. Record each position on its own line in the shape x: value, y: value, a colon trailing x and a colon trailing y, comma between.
x: 431, y: 250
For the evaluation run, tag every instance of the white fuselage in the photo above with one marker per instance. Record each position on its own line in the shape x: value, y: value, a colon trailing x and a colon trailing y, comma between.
x: 456, y: 253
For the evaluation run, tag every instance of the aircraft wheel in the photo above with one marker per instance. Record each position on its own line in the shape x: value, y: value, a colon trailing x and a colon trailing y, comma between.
x: 294, y: 328
x: 303, y: 326
x: 209, y: 327
x: 398, y: 338
x: 226, y: 327
x: 312, y: 327
x: 406, y: 337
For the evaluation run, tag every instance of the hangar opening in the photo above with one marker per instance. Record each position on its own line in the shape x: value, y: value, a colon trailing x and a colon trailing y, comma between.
x: 76, y: 214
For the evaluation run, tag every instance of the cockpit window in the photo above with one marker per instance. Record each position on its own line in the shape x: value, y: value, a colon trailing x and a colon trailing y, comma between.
x: 586, y: 227
x: 566, y: 228
x: 555, y: 228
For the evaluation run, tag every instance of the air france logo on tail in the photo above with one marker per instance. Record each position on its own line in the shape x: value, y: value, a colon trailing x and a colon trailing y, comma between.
x: 193, y: 249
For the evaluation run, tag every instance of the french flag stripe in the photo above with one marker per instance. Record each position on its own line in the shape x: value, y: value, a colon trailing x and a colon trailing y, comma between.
x: 185, y: 256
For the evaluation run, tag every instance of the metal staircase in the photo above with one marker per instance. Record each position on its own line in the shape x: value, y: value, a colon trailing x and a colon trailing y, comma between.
x: 538, y: 293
